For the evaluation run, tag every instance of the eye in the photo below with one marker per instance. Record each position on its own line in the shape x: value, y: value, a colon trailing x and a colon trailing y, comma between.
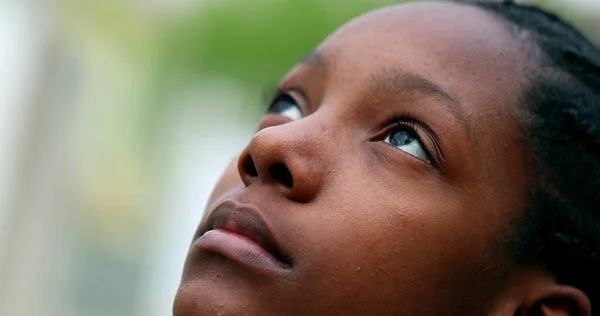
x: 406, y: 139
x: 286, y: 106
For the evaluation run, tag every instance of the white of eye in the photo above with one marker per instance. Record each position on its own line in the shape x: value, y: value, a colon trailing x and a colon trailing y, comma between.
x: 406, y: 142
x: 293, y: 113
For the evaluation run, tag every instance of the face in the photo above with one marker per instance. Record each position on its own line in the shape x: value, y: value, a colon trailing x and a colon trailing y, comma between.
x: 381, y: 180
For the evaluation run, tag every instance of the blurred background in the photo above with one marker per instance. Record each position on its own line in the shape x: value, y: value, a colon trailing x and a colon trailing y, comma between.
x: 116, y: 118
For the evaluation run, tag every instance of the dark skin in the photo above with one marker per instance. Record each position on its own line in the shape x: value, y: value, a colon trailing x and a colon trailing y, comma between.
x: 391, y: 194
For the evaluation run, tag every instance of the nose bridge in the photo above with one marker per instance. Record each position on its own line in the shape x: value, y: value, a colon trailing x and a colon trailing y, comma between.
x: 305, y: 138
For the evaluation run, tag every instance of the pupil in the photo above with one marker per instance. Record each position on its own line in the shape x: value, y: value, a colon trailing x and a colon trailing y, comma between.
x: 401, y: 138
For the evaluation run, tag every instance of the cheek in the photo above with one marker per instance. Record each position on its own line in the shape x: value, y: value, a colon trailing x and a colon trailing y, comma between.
x: 406, y: 240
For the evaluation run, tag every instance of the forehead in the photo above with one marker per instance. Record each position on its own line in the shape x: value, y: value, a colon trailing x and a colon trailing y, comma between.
x: 465, y: 50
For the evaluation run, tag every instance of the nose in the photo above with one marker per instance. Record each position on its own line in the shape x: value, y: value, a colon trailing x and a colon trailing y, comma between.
x: 285, y: 157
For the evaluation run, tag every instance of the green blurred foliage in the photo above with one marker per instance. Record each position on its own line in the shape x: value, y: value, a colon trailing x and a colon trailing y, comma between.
x: 251, y: 42
x: 256, y: 43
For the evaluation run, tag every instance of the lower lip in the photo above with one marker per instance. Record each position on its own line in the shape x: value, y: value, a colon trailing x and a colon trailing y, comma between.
x: 238, y: 248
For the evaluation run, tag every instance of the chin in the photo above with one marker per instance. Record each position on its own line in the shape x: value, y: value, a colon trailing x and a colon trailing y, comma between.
x: 219, y: 286
x: 197, y: 301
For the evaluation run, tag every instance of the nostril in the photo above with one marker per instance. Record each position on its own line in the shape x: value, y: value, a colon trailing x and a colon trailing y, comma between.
x: 249, y: 167
x: 280, y: 173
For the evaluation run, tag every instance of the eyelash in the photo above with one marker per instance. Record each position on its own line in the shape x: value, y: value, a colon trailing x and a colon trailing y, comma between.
x: 272, y: 94
x: 403, y: 122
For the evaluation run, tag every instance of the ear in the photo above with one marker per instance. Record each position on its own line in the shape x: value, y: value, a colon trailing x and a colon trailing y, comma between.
x: 533, y: 292
x: 557, y: 300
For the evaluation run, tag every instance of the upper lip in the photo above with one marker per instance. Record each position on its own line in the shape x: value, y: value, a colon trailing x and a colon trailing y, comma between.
x: 248, y: 223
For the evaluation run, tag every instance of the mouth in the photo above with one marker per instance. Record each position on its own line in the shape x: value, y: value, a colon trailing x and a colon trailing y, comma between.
x: 239, y: 233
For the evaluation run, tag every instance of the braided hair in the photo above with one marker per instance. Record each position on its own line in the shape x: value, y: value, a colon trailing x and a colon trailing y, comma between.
x: 560, y: 229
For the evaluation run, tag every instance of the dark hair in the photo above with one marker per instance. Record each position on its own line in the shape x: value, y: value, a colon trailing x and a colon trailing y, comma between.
x: 561, y: 226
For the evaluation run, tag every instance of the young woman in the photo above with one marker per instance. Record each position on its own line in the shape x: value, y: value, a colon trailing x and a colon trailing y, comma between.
x: 426, y: 159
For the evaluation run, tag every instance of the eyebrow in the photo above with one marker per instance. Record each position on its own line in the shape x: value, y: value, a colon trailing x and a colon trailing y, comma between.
x: 398, y: 81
